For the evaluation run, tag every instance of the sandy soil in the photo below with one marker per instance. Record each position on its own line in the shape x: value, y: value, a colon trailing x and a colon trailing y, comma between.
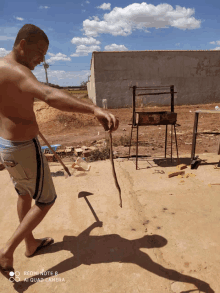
x: 75, y: 129
x: 165, y: 239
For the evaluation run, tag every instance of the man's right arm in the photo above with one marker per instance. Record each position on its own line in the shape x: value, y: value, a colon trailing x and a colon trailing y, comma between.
x: 55, y: 98
x: 63, y: 101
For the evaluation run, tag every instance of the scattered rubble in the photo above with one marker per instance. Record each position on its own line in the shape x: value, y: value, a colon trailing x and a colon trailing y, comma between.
x: 50, y: 157
x: 189, y: 175
x: 181, y: 166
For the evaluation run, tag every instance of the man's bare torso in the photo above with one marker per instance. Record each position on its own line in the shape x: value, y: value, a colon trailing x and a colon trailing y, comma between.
x: 17, y: 117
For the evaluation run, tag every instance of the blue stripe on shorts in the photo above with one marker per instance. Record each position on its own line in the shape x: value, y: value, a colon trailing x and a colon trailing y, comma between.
x: 12, y: 145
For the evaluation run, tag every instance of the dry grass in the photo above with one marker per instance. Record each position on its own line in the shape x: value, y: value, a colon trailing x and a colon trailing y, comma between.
x: 77, y: 92
x: 99, y: 154
x: 104, y: 152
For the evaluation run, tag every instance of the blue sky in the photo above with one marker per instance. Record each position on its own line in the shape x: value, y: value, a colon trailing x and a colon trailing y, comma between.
x: 77, y: 28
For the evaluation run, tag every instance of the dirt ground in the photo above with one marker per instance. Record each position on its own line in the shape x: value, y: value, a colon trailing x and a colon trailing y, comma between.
x: 73, y: 129
x: 164, y: 239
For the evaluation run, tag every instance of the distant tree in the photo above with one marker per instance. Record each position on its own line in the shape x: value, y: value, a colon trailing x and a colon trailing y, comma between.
x: 84, y: 83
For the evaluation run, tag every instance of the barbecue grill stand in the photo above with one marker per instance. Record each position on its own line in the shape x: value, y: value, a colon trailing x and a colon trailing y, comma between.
x: 140, y: 118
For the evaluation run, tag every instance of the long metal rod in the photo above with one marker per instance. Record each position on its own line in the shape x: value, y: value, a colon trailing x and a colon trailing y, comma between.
x: 166, y: 143
x: 171, y: 142
x: 172, y: 97
x: 176, y: 144
x: 129, y: 154
x: 194, y: 135
x: 113, y: 170
x: 155, y: 94
x: 55, y: 154
x: 150, y: 86
x: 216, y: 133
x: 134, y: 105
x: 137, y: 149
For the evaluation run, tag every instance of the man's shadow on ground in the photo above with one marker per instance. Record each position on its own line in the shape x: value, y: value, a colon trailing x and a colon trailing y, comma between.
x: 89, y: 250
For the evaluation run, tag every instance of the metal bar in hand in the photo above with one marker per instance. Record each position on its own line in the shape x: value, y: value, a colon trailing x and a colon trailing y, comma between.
x: 113, y: 170
x: 55, y: 154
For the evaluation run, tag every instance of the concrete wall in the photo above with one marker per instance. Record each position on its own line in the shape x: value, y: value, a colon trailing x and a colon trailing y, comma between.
x: 194, y: 74
x: 91, y: 84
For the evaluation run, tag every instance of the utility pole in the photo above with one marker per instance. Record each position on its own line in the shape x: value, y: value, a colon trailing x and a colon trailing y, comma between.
x: 46, y: 66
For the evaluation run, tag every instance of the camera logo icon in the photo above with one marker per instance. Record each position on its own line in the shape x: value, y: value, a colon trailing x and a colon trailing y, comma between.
x: 14, y: 276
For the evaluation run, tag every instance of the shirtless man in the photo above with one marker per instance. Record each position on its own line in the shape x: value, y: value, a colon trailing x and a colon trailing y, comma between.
x: 20, y: 150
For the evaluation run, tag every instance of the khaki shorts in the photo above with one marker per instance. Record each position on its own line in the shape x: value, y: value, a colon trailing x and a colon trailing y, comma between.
x: 28, y: 169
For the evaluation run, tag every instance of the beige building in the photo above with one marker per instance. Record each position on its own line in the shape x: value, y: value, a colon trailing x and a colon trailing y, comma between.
x: 194, y: 74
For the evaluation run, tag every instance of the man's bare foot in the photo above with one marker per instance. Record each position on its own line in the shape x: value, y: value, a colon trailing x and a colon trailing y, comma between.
x: 6, y: 263
x: 37, y: 245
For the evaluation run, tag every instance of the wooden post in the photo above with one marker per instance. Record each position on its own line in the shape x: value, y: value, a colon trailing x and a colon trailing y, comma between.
x: 219, y: 146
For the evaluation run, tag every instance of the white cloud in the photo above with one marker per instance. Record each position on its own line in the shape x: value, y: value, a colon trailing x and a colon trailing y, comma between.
x: 44, y: 7
x: 122, y: 21
x: 215, y: 43
x: 61, y: 77
x: 85, y: 41
x: 87, y: 2
x: 19, y: 18
x: 83, y: 10
x: 217, y: 48
x: 83, y: 50
x: 177, y: 44
x: 6, y: 38
x: 57, y: 57
x: 94, y: 17
x: 3, y: 52
x: 114, y: 47
x: 105, y: 6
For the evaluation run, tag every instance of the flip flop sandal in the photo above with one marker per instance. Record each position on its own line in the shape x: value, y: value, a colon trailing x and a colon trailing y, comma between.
x: 44, y: 240
x: 5, y: 271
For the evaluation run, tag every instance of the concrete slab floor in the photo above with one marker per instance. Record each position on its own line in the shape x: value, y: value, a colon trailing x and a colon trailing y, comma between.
x: 165, y: 239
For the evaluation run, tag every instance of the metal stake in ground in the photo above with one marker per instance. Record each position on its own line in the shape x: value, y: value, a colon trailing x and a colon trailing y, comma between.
x: 113, y: 170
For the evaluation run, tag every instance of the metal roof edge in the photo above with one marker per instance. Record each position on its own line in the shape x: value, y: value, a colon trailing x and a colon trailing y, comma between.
x: 155, y: 51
